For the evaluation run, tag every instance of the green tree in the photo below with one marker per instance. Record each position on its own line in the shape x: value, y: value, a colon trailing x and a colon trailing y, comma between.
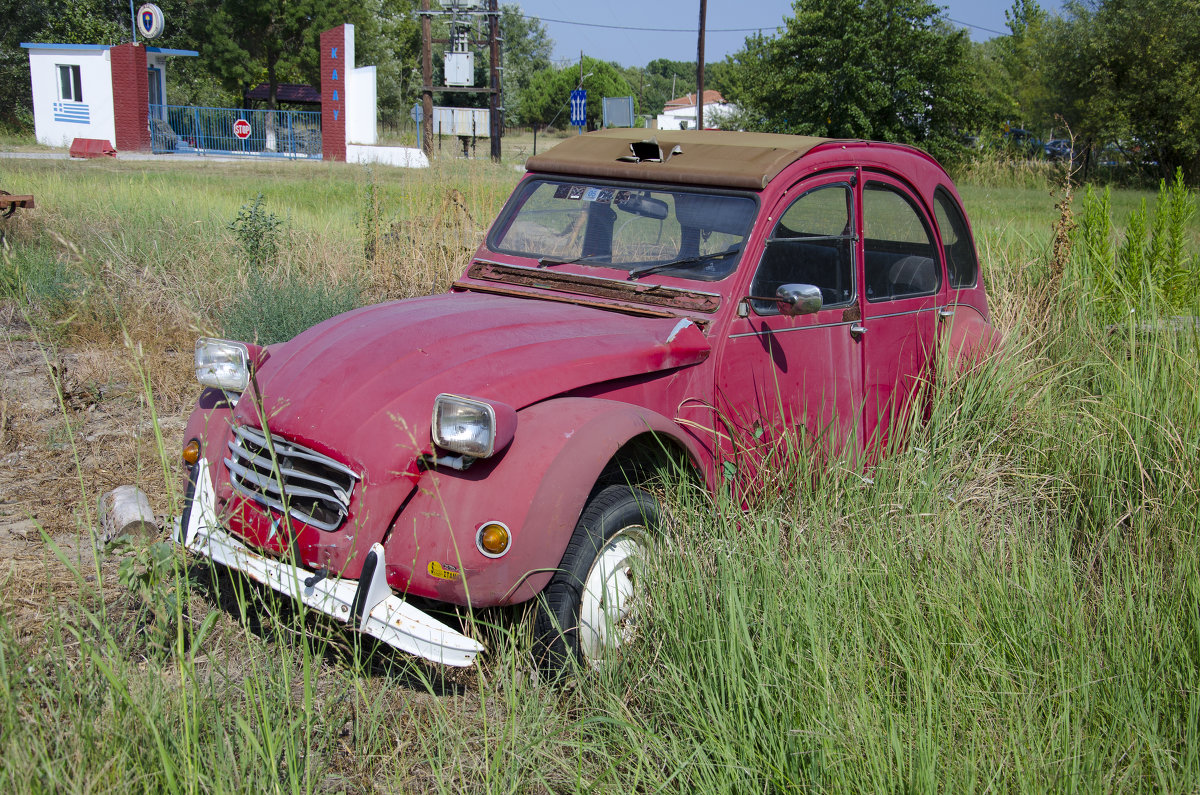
x: 1127, y: 74
x: 526, y: 52
x: 246, y: 42
x: 1022, y: 55
x: 547, y: 98
x: 884, y: 69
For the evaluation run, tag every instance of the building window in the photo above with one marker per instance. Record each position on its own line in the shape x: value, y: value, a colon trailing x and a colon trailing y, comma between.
x: 71, y: 87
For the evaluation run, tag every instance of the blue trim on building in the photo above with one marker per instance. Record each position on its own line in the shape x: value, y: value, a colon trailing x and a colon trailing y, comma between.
x: 159, y: 50
x: 162, y: 51
x: 39, y: 46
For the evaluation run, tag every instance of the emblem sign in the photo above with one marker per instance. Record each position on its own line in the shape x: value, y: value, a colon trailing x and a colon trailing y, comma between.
x: 150, y: 21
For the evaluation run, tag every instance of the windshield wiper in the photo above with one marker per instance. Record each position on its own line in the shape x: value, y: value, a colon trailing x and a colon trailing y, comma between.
x: 545, y: 261
x: 675, y: 263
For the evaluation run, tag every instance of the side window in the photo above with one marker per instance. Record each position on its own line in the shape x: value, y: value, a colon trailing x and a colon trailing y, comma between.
x: 70, y: 85
x: 901, y: 260
x: 813, y: 243
x: 961, y: 262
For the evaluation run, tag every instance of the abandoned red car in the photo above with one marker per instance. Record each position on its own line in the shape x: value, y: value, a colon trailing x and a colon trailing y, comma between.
x: 636, y: 303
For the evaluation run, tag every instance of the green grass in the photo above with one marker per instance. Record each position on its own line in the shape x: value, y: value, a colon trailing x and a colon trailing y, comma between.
x: 1010, y: 602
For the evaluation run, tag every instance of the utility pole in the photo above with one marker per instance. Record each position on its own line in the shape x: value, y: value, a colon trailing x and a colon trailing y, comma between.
x: 495, y: 122
x: 460, y: 40
x: 700, y: 69
x: 426, y: 79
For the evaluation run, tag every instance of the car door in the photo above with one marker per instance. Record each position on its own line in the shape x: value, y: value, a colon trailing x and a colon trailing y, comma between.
x: 903, y: 290
x: 793, y: 383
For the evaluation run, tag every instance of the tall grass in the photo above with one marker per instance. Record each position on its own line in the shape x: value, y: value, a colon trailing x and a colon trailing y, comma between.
x: 1010, y: 601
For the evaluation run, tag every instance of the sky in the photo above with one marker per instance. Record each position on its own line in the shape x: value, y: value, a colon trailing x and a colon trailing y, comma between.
x: 635, y: 32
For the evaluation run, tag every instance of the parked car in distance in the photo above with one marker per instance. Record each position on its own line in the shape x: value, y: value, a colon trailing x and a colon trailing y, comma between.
x: 1058, y: 149
x: 637, y: 305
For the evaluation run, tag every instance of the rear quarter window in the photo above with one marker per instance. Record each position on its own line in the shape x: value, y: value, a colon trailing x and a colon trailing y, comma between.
x: 962, y: 264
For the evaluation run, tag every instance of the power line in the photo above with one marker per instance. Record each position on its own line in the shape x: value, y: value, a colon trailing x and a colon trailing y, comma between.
x: 647, y: 30
x: 758, y: 29
x: 977, y: 27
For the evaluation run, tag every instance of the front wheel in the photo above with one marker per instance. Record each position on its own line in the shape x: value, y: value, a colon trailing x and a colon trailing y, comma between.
x: 586, y: 612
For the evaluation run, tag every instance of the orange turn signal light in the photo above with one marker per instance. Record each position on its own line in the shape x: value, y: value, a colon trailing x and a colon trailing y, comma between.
x: 493, y: 539
x: 191, y: 452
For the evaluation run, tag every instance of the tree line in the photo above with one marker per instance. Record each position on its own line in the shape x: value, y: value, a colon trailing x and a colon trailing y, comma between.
x: 1122, y: 76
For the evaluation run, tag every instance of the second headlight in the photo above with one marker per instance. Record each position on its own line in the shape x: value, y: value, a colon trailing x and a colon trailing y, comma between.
x: 472, y: 427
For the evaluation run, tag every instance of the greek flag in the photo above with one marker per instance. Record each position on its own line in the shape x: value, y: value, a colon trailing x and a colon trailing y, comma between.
x: 74, y: 112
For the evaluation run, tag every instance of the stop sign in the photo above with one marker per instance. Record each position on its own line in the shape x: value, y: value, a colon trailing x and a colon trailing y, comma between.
x: 241, y: 128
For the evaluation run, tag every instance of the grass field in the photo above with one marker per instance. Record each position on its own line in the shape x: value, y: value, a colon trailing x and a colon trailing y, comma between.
x: 1011, y: 602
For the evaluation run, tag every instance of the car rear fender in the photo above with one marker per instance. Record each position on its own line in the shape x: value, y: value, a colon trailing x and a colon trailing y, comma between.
x: 537, y: 488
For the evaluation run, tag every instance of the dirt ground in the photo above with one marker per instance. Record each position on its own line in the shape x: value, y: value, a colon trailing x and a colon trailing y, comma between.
x: 74, y: 423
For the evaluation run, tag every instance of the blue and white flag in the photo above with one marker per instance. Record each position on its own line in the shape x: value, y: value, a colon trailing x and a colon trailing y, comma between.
x: 74, y: 112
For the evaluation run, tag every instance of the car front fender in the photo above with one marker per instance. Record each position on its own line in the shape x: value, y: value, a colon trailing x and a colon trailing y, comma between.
x: 537, y: 488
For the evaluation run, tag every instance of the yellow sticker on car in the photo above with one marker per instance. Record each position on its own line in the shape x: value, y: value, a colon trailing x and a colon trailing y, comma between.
x: 443, y: 572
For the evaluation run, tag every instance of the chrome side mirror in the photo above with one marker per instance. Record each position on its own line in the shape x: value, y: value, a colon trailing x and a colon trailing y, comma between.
x: 798, y: 299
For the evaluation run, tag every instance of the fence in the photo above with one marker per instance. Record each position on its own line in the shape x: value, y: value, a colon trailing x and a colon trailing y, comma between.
x: 267, y: 133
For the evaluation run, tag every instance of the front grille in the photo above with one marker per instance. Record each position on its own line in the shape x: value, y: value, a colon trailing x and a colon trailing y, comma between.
x: 315, y: 488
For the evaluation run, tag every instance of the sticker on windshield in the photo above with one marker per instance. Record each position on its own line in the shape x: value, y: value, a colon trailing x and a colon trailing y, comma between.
x: 621, y: 197
x: 561, y: 191
x: 576, y: 192
x: 591, y: 194
x: 605, y: 197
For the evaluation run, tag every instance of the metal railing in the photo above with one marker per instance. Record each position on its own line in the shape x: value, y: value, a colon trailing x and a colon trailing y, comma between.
x: 230, y: 131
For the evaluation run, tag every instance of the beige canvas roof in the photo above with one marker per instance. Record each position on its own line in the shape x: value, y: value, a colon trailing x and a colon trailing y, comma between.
x: 718, y: 158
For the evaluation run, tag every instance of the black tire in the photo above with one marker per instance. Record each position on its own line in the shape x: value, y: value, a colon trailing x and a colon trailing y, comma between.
x: 613, y: 516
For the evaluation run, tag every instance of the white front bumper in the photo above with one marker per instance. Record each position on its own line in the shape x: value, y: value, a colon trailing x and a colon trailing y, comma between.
x: 378, y: 611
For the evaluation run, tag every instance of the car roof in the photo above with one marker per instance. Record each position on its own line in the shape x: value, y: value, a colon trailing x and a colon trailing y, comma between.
x: 717, y: 158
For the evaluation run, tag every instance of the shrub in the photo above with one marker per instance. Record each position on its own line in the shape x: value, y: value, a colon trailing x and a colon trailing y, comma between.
x: 270, y: 310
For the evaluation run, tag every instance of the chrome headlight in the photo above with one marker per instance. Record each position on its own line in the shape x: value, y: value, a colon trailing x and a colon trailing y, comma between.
x: 223, y: 364
x: 473, y: 427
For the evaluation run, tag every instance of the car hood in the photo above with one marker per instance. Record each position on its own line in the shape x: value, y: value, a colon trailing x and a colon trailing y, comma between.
x: 362, y: 385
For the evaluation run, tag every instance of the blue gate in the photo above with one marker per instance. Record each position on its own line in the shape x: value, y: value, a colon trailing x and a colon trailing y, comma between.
x: 226, y: 131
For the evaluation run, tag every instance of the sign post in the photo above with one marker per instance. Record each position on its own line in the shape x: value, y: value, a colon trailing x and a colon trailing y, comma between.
x: 417, y: 114
x: 579, y: 108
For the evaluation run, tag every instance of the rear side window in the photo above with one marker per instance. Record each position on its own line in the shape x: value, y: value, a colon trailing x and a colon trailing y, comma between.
x: 961, y: 262
x: 813, y: 243
x: 901, y: 259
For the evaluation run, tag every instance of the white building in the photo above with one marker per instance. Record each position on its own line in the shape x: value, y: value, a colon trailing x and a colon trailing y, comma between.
x: 75, y: 94
x: 680, y: 113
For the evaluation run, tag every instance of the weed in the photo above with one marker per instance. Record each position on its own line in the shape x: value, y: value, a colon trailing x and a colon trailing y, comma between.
x: 257, y: 232
x: 269, y: 310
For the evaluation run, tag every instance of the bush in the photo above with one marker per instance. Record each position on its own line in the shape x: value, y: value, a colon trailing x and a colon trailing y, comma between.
x: 268, y: 310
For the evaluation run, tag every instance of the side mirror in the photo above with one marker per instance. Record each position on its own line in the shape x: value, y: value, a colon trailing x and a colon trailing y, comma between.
x: 798, y: 299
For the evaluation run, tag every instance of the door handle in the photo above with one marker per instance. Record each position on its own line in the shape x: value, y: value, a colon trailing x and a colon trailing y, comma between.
x: 857, y: 330
x: 945, y: 312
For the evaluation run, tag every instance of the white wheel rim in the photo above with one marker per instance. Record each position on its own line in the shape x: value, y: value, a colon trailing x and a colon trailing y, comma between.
x: 610, y: 595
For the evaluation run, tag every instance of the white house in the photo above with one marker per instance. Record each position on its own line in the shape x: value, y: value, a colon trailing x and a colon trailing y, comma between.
x: 680, y: 113
x: 83, y: 91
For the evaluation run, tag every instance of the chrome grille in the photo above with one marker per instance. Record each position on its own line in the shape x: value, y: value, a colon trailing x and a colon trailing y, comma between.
x: 316, y: 488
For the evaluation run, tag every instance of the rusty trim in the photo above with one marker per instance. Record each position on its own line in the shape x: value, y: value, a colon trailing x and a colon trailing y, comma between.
x: 653, y: 294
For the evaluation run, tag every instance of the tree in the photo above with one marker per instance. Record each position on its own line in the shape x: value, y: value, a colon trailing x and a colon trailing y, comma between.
x: 884, y: 69
x: 1128, y: 74
x: 526, y: 52
x: 1022, y: 55
x: 547, y: 98
x: 246, y: 42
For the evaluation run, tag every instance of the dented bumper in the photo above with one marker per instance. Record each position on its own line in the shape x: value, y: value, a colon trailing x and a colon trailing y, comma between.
x: 366, y: 605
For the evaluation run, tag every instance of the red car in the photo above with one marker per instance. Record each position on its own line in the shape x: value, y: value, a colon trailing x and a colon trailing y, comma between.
x: 677, y: 302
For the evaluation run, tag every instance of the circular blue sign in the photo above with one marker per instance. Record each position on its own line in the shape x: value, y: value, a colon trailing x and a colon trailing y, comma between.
x: 150, y: 21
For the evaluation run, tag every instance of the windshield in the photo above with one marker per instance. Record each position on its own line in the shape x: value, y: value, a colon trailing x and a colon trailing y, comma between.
x: 672, y: 231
